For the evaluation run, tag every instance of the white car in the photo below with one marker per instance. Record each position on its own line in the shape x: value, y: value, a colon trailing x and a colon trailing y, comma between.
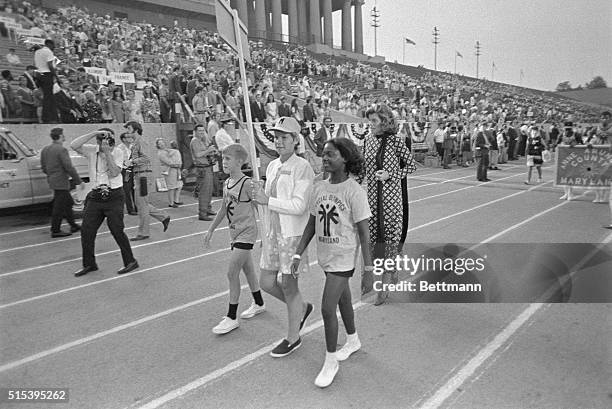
x: 22, y: 181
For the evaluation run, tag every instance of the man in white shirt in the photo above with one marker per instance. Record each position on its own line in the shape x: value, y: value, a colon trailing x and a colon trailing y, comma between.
x: 105, y: 199
x: 439, y: 139
x: 127, y: 139
x: 224, y: 137
x: 45, y: 65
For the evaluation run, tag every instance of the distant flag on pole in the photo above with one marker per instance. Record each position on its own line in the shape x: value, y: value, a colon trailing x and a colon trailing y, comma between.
x: 409, y: 41
x: 459, y: 54
x: 522, y: 74
x: 494, y: 64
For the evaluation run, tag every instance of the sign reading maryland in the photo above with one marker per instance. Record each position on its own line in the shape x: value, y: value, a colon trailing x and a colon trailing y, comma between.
x: 583, y: 166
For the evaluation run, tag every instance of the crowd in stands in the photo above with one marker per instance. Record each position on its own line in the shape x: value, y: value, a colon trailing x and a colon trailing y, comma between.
x: 170, y: 61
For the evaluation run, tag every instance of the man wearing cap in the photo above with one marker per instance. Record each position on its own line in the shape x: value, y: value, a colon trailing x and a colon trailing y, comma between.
x: 224, y: 136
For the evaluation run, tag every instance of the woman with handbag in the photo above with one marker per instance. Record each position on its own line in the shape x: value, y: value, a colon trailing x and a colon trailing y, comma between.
x: 170, y: 166
x: 533, y: 153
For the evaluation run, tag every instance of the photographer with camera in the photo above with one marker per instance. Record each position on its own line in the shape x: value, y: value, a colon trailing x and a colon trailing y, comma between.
x: 106, y: 199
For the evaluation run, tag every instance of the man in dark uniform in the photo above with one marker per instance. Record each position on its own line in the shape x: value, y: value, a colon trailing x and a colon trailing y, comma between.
x: 512, y: 141
x: 56, y: 164
x: 482, y: 155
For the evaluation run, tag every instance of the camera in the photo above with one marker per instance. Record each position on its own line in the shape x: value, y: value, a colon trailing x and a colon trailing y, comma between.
x: 106, y: 137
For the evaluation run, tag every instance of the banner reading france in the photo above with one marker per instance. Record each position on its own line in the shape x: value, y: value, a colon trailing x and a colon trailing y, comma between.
x: 583, y: 166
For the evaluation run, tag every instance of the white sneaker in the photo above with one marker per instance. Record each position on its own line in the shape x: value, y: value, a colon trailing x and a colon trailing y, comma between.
x: 540, y: 180
x: 226, y: 325
x: 328, y: 372
x: 348, y: 349
x: 252, y: 311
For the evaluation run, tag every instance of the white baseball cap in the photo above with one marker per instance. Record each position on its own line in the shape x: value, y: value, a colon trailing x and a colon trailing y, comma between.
x: 287, y: 124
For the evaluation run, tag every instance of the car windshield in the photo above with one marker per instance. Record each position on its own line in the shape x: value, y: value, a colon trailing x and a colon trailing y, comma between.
x: 25, y: 148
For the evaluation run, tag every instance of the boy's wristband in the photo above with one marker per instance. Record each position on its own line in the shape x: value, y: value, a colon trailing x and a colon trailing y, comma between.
x: 368, y: 268
x: 297, y: 256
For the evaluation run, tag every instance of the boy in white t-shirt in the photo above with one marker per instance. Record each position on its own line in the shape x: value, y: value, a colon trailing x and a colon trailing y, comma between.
x: 339, y: 215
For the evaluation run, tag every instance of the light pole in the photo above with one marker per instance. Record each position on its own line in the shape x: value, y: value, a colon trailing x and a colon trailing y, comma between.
x: 436, y: 41
x: 375, y: 23
x: 477, y: 46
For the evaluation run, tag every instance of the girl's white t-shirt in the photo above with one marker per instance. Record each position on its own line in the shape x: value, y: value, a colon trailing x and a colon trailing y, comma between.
x: 337, y: 209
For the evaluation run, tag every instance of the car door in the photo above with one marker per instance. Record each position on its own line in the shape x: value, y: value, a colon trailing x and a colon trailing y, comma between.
x: 15, y: 186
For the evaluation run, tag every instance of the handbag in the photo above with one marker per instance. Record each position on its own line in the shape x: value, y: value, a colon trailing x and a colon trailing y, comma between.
x: 160, y: 184
x: 546, y: 155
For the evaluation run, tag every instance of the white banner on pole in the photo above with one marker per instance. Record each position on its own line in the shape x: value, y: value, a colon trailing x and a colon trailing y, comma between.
x: 24, y: 32
x: 95, y: 71
x: 35, y: 40
x: 13, y: 26
x: 122, y: 77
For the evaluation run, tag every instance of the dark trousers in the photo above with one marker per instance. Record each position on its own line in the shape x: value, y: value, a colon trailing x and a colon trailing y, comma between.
x: 511, y: 149
x: 440, y: 149
x: 205, y: 190
x: 62, y: 207
x: 49, y: 110
x: 482, y: 164
x: 128, y: 190
x: 94, y: 214
x: 446, y: 157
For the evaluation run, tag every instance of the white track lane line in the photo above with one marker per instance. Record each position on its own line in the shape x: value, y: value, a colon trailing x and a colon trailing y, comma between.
x: 232, y: 366
x: 476, y: 207
x: 81, y: 341
x: 25, y: 270
x: 78, y: 237
x: 459, y: 190
x: 117, y: 277
x: 464, y: 373
x: 47, y: 226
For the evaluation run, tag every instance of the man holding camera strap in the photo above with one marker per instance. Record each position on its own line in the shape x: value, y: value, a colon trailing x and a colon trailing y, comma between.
x: 106, y: 199
x: 141, y: 172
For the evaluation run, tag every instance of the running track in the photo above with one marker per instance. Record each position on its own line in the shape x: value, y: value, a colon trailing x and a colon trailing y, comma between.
x: 144, y: 340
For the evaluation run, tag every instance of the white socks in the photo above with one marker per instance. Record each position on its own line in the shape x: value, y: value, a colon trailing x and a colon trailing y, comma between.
x: 352, y: 345
x: 329, y: 370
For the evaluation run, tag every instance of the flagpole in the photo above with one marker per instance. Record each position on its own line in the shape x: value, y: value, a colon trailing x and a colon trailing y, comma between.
x: 404, y: 55
x: 455, y: 62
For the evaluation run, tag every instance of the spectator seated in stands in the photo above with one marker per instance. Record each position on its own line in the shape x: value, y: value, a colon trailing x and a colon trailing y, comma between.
x: 13, y: 58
